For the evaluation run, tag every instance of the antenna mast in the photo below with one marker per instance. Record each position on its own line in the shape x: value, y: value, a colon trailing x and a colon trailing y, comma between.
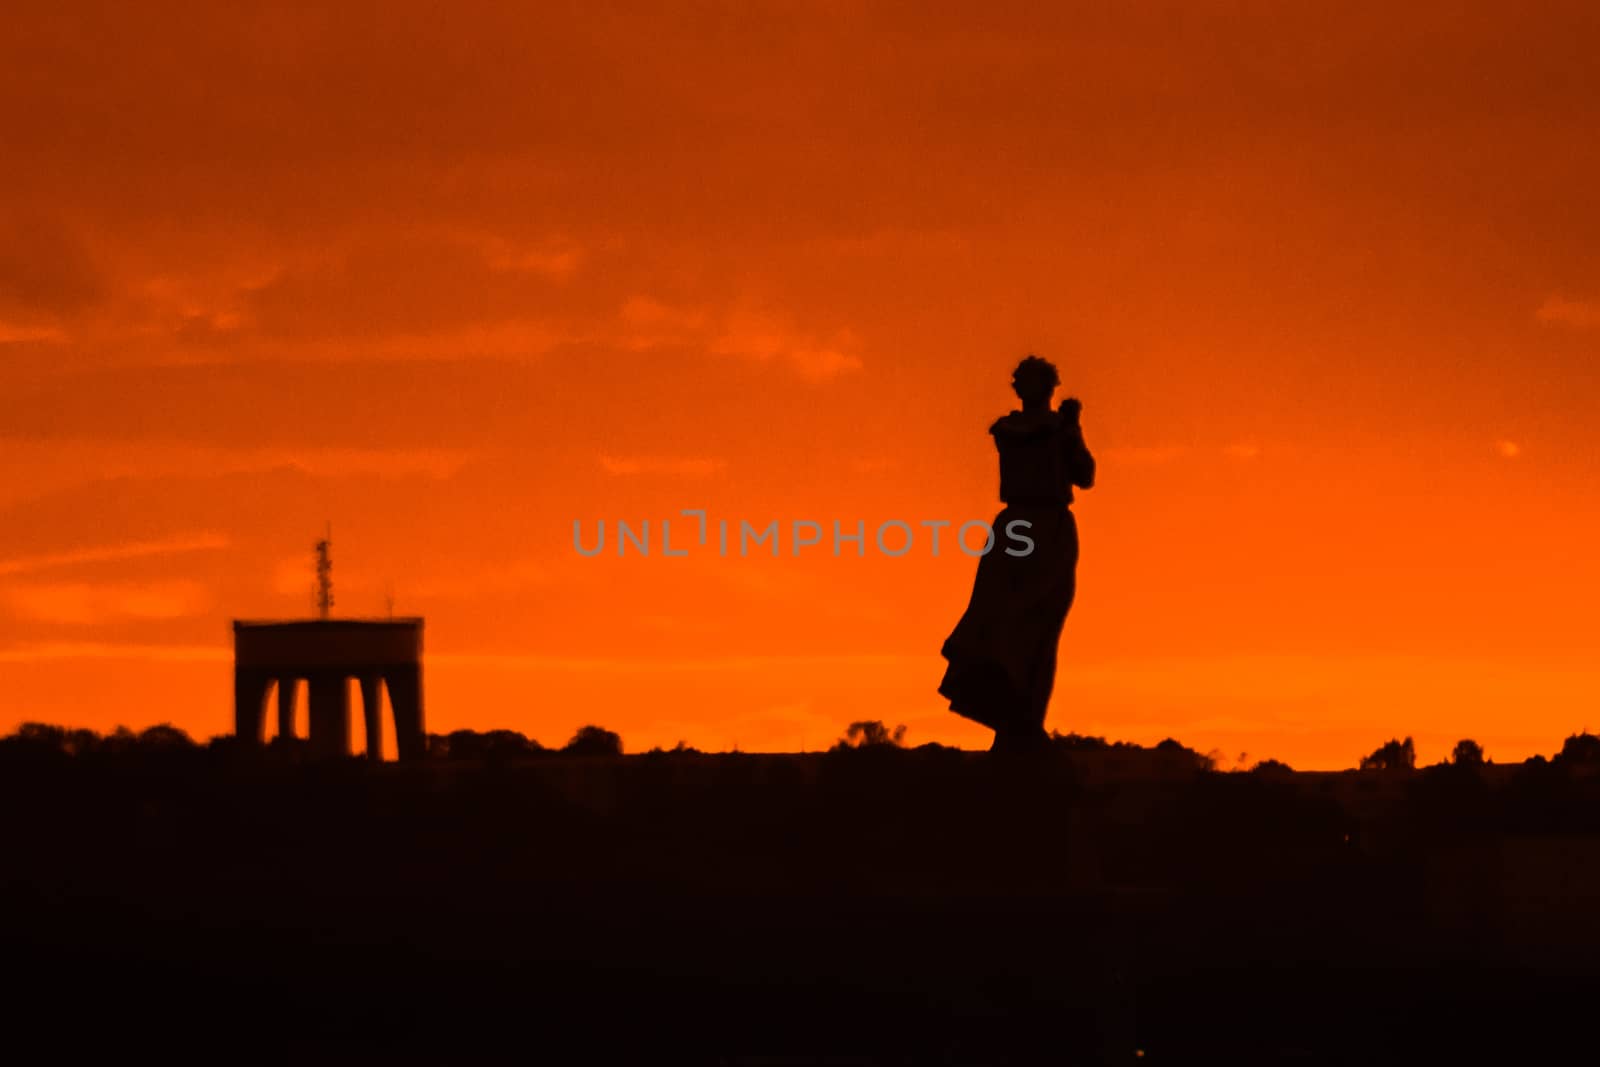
x: 325, y: 574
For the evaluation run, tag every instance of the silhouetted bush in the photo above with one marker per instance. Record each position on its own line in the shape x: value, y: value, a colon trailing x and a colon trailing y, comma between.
x: 1078, y: 741
x: 1271, y: 767
x: 871, y: 733
x: 1089, y: 743
x: 594, y: 741
x: 1580, y: 750
x: 35, y: 743
x: 493, y: 745
x: 1173, y: 749
x: 682, y: 748
x: 1467, y: 753
x: 165, y: 736
x: 1392, y: 755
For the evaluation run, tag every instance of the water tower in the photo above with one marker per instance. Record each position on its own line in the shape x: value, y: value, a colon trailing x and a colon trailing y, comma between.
x: 327, y: 653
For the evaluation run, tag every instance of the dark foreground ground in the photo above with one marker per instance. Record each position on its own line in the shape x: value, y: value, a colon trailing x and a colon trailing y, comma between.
x: 859, y: 907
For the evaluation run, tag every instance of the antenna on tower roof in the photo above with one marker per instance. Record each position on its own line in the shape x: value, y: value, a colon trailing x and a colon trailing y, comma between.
x: 325, y: 573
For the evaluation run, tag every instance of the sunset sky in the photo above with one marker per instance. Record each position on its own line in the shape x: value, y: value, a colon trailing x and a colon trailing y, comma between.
x: 450, y: 277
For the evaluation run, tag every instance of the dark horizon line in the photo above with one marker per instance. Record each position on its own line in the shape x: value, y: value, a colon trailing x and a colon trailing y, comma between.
x: 1582, y: 746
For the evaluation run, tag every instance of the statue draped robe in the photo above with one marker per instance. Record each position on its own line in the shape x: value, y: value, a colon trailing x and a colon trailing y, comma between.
x: 1002, y: 653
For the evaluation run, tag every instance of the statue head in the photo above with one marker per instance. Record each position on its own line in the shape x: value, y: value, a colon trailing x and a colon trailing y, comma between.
x: 1034, y: 380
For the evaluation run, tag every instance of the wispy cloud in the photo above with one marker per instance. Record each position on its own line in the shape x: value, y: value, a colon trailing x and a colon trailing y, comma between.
x: 507, y: 578
x: 649, y: 323
x: 46, y: 269
x: 675, y: 466
x: 109, y: 553
x: 15, y: 333
x: 1560, y: 311
x: 41, y: 465
x: 761, y: 335
x: 766, y: 337
x: 53, y: 651
x: 554, y: 260
x: 294, y: 576
x: 88, y: 603
x: 506, y: 340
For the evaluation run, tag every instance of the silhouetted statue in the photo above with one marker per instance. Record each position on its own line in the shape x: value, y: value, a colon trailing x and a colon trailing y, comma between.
x: 1002, y: 654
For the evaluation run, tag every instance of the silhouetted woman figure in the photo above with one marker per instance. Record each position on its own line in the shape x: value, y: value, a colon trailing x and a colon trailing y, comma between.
x: 1002, y: 654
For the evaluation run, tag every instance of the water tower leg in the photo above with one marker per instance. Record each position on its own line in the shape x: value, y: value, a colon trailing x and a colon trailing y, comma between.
x: 330, y: 715
x: 249, y: 703
x: 286, y: 688
x: 405, y: 696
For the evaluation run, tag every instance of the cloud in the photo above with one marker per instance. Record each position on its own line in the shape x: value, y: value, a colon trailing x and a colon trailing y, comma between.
x: 96, y: 458
x: 675, y: 466
x: 758, y: 335
x: 648, y: 323
x: 50, y: 651
x: 498, y: 579
x: 407, y: 284
x: 1578, y: 314
x: 509, y: 339
x: 764, y: 337
x: 419, y: 293
x: 34, y: 467
x: 44, y: 269
x: 107, y: 553
x: 13, y: 333
x: 555, y: 260
x: 88, y: 603
x: 294, y: 576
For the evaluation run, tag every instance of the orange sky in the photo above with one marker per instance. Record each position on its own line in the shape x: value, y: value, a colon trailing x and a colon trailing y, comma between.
x: 1325, y: 280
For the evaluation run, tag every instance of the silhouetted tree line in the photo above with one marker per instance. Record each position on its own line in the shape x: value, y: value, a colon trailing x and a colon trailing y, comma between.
x: 1167, y: 749
x: 1579, y: 753
x: 501, y: 746
x: 41, y: 741
x: 873, y: 736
